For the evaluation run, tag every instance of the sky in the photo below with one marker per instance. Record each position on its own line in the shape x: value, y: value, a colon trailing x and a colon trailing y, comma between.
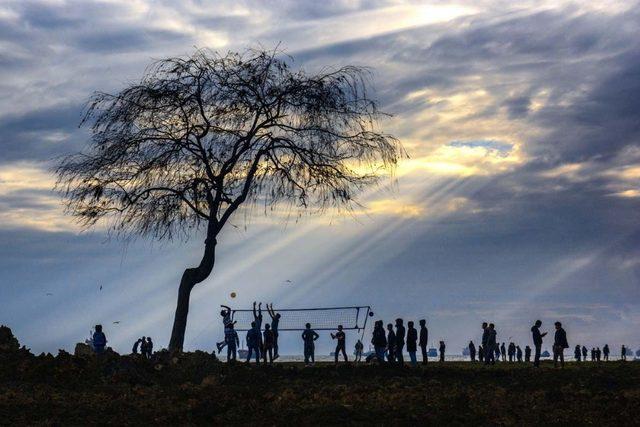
x: 520, y: 198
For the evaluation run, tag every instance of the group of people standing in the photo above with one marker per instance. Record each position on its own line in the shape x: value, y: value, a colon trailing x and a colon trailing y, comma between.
x: 145, y: 344
x: 389, y: 345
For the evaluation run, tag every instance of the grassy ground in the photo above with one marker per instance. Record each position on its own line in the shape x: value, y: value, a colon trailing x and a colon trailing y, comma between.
x: 196, y: 389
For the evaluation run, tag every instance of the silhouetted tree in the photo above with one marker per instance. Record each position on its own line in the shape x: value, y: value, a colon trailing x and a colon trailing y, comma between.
x: 183, y: 149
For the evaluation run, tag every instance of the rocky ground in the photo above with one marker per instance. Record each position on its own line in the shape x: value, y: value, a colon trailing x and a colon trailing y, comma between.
x: 195, y: 388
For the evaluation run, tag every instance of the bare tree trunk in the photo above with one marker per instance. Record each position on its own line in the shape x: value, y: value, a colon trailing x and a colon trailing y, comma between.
x: 190, y: 278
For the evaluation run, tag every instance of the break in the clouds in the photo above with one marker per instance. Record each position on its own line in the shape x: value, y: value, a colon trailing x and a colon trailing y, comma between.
x: 519, y: 199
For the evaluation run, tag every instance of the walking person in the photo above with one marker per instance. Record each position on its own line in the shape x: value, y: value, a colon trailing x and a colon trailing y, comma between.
x: 472, y: 351
x: 232, y: 341
x: 391, y: 344
x: 309, y: 336
x: 537, y: 341
x: 559, y: 344
x: 341, y: 344
x: 400, y: 336
x: 379, y: 341
x: 412, y: 343
x: 424, y: 340
x: 442, y: 350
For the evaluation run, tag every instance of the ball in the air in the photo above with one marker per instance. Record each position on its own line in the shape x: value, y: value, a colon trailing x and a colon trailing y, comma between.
x: 371, y: 314
x: 233, y: 294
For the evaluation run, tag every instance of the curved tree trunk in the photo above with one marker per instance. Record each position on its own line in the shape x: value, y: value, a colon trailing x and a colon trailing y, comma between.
x: 190, y: 278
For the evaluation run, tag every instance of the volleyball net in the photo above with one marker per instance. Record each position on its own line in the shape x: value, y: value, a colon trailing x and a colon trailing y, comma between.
x: 294, y: 319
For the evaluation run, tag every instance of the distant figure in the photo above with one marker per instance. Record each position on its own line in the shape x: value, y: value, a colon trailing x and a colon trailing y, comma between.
x: 497, y: 353
x: 537, y: 341
x: 268, y: 339
x: 605, y: 352
x: 472, y: 351
x: 424, y: 341
x: 492, y: 345
x: 99, y: 340
x: 518, y: 353
x: 149, y: 347
x: 341, y: 345
x: 527, y: 354
x: 593, y: 354
x: 134, y: 350
x: 257, y: 317
x: 253, y: 343
x: 559, y: 344
x: 623, y: 353
x: 485, y: 343
x: 480, y: 354
x: 391, y: 344
x: 503, y: 351
x: 442, y: 350
x: 309, y: 336
x: 511, y: 351
x: 598, y: 354
x: 227, y: 319
x: 358, y: 350
x: 143, y: 347
x: 275, y: 322
x: 400, y: 335
x: 584, y: 353
x: 232, y: 341
x: 577, y: 354
x: 379, y: 341
x: 412, y: 343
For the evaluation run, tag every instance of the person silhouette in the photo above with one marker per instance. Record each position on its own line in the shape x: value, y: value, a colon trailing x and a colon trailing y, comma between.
x: 253, y: 343
x: 275, y: 323
x: 623, y: 353
x: 232, y: 341
x: 585, y: 352
x: 424, y: 341
x: 518, y: 353
x: 527, y: 354
x: 309, y: 336
x: 149, y: 347
x: 503, y: 351
x: 480, y: 354
x: 400, y: 336
x: 472, y: 351
x: 99, y: 340
x: 412, y: 343
x: 577, y: 353
x: 492, y: 345
x: 537, y: 341
x: 442, y: 350
x: 143, y: 347
x: 379, y: 340
x: 359, y: 347
x: 134, y: 350
x: 391, y: 344
x: 605, y: 352
x: 598, y: 354
x: 593, y: 354
x: 267, y: 341
x: 511, y: 351
x: 227, y: 319
x: 559, y: 344
x: 485, y: 343
x: 341, y: 344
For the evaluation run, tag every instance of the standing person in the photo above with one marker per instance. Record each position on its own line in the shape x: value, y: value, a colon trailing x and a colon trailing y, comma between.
x: 143, y: 347
x: 480, y: 354
x: 497, y: 353
x: 149, y: 347
x: 400, y: 335
x: 134, y: 350
x: 309, y: 336
x: 584, y: 353
x: 424, y: 340
x: 537, y: 341
x: 391, y: 344
x: 593, y: 354
x: 503, y: 351
x: 485, y: 343
x: 598, y: 354
x: 412, y: 343
x: 623, y: 353
x: 442, y: 350
x: 341, y: 344
x: 253, y: 343
x: 275, y: 323
x: 379, y: 341
x: 519, y: 353
x: 559, y: 344
x: 358, y: 350
x: 512, y: 351
x: 267, y: 343
x: 492, y: 345
x: 527, y: 354
x: 227, y: 319
x: 472, y: 351
x: 605, y: 352
x: 577, y: 353
x: 232, y: 341
x: 99, y: 340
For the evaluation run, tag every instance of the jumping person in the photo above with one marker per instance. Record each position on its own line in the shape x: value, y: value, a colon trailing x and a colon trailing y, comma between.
x: 341, y: 344
x: 358, y: 350
x: 99, y: 340
x: 424, y: 340
x: 253, y: 343
x: 309, y: 336
x: 537, y: 341
x: 379, y: 340
x: 442, y: 350
x: 472, y: 351
x: 412, y: 341
x: 227, y: 319
x: 400, y: 335
x: 233, y: 341
x: 275, y: 322
x: 267, y: 347
x: 559, y: 344
x: 391, y: 344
